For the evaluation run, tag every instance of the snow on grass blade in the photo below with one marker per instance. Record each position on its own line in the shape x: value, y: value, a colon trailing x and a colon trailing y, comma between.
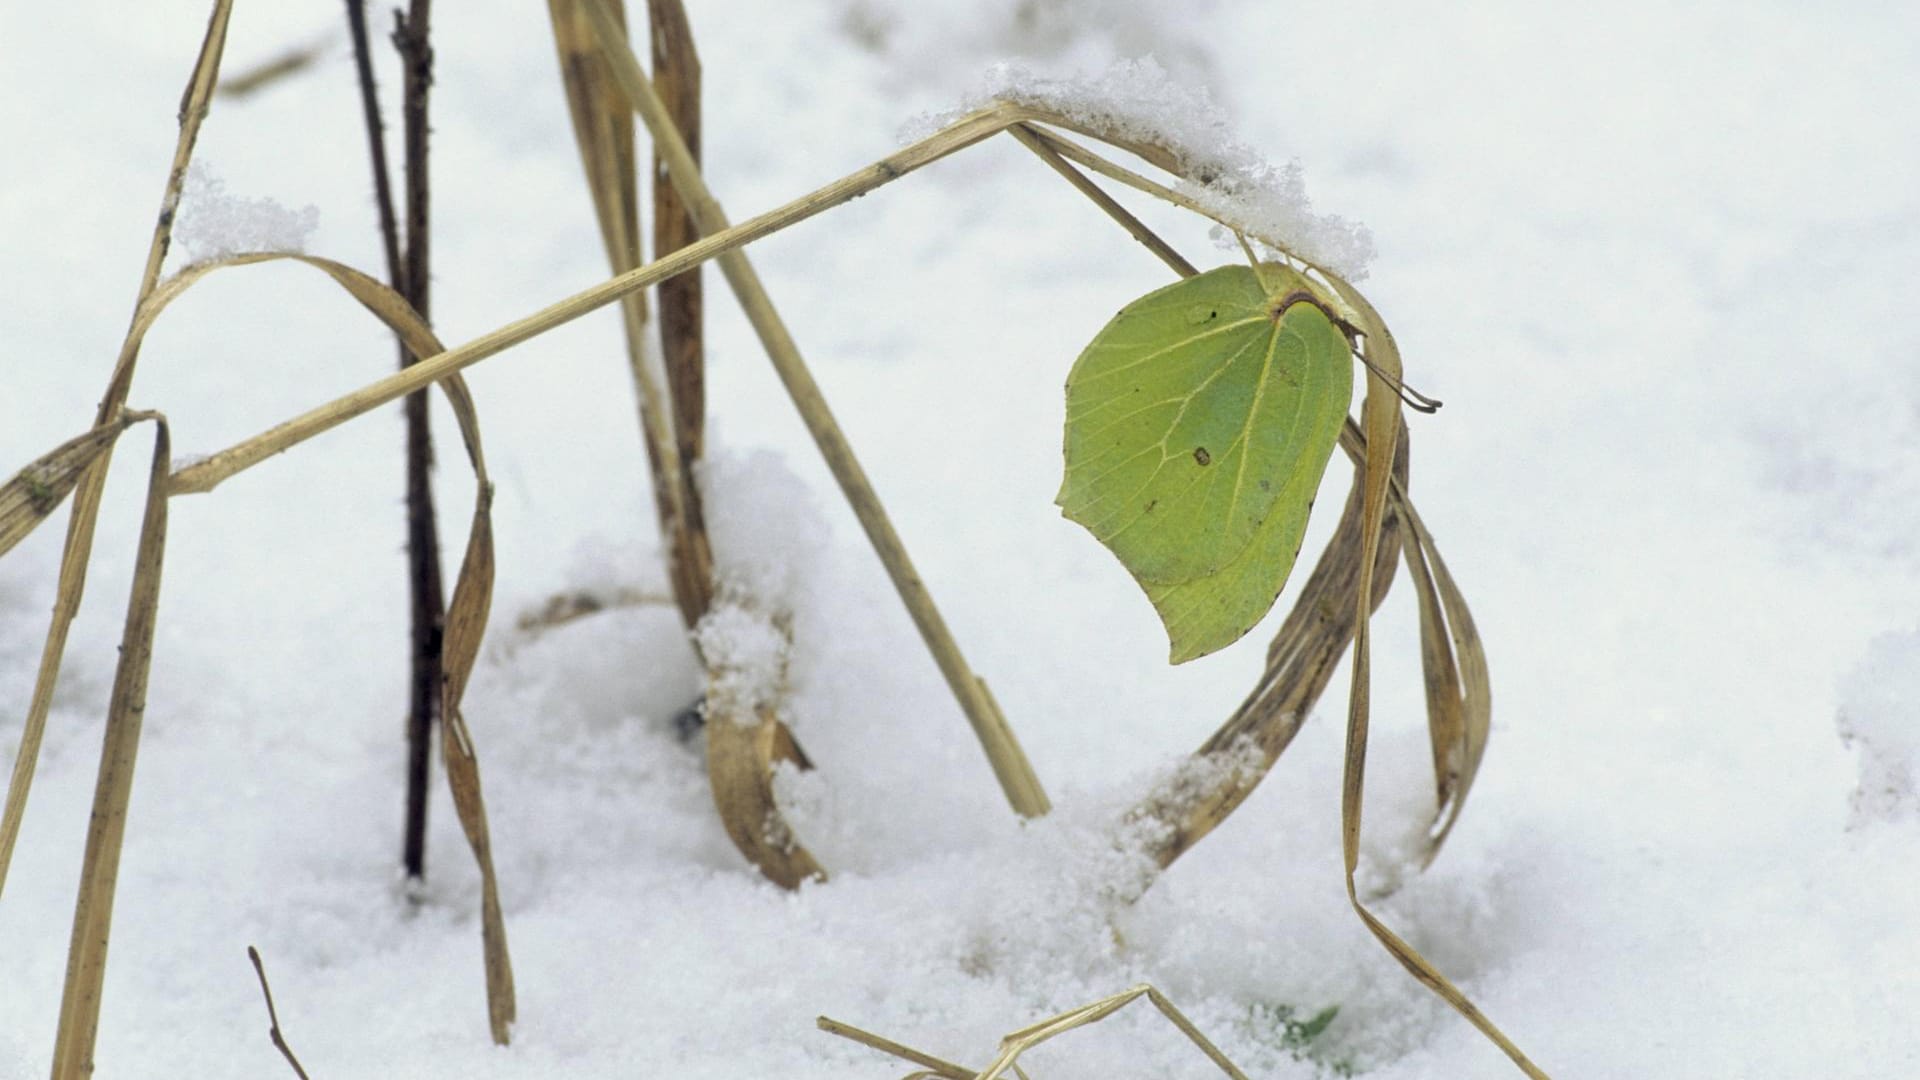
x: 1135, y: 101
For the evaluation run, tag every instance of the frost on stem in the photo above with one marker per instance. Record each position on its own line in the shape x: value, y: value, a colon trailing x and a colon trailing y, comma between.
x: 1136, y: 100
x: 211, y: 223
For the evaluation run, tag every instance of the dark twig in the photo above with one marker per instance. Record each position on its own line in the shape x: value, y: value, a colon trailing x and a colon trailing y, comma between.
x: 411, y: 38
x: 408, y: 275
x: 376, y: 140
x: 273, y: 1018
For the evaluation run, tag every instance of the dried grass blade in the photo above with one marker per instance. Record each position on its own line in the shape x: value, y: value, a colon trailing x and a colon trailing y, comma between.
x: 603, y: 130
x: 745, y: 741
x: 86, y: 502
x: 1381, y: 422
x: 472, y: 594
x: 1446, y: 718
x: 676, y: 75
x: 1019, y: 1042
x: 742, y: 748
x: 100, y: 864
x: 36, y: 491
x: 1460, y: 741
x: 466, y: 623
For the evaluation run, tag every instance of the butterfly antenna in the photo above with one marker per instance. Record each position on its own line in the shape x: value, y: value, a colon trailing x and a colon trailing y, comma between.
x: 1414, y: 399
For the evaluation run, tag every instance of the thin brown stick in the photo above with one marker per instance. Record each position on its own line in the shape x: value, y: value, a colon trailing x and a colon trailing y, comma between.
x: 273, y: 1016
x: 412, y: 37
x: 426, y: 590
x: 1009, y: 761
x: 86, y: 500
x: 376, y: 139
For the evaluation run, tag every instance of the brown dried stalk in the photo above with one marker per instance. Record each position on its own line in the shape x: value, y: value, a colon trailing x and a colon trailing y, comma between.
x: 603, y: 131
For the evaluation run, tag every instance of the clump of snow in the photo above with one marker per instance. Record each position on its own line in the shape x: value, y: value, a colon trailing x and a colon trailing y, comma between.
x: 1880, y: 719
x: 746, y: 651
x: 767, y: 533
x: 1135, y: 100
x: 209, y: 222
x: 768, y: 539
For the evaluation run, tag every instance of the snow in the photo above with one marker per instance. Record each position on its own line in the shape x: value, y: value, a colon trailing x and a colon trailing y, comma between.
x: 211, y: 222
x: 1135, y: 100
x: 1662, y: 280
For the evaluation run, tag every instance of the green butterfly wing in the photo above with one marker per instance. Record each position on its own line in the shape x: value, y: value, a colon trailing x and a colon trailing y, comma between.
x: 1199, y: 424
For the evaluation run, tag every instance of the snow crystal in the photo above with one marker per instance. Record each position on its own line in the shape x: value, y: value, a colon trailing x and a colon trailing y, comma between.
x: 1880, y: 718
x: 1135, y: 100
x: 212, y: 223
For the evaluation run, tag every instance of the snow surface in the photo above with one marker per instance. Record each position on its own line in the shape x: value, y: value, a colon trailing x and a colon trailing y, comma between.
x: 1658, y: 260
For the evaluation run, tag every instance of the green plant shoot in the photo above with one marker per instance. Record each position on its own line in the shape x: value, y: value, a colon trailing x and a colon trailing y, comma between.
x: 1199, y: 423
